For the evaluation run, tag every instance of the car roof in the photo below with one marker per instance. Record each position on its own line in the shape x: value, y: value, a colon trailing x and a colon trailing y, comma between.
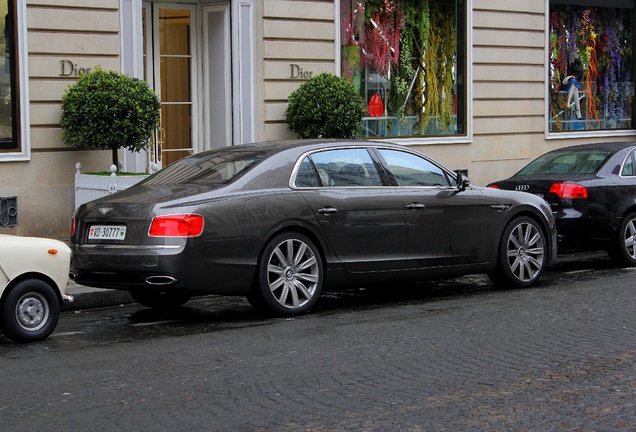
x: 312, y: 144
x: 607, y: 146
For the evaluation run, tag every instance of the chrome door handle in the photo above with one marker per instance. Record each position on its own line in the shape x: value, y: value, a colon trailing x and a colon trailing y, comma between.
x: 328, y: 210
x: 502, y: 207
x: 415, y: 206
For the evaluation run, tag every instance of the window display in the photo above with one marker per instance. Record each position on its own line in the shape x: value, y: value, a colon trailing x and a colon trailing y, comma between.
x: 406, y: 58
x: 591, y: 66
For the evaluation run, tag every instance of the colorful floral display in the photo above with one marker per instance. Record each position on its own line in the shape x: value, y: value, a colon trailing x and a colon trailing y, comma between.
x: 402, y: 57
x: 594, y: 46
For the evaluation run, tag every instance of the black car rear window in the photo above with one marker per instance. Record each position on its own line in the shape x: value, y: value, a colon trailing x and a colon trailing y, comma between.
x: 216, y: 167
x: 567, y: 162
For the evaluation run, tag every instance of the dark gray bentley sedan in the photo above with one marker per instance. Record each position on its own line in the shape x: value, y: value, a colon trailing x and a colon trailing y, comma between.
x: 277, y: 221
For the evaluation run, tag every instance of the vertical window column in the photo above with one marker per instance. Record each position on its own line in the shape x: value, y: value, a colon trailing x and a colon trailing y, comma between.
x: 9, y: 107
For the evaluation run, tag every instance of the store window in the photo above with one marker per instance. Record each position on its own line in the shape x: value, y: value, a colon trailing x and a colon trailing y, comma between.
x: 591, y: 65
x: 9, y: 139
x: 407, y: 60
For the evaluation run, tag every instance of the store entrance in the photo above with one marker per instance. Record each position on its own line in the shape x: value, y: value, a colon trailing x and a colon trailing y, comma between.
x: 187, y: 59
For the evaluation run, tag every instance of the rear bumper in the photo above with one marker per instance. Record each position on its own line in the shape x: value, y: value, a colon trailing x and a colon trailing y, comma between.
x: 165, y: 268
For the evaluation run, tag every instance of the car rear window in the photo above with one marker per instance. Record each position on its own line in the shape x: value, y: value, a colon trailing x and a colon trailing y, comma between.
x: 567, y: 162
x: 207, y: 168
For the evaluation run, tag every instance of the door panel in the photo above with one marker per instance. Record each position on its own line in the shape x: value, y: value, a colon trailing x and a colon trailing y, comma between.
x: 364, y: 226
x: 443, y: 226
x: 362, y: 218
x: 450, y: 228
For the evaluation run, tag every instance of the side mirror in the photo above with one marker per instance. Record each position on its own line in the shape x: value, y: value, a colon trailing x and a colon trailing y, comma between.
x: 462, y: 181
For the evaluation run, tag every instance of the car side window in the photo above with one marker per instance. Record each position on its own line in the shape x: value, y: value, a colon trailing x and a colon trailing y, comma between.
x: 346, y: 167
x: 412, y: 170
x: 628, y: 166
x: 307, y: 175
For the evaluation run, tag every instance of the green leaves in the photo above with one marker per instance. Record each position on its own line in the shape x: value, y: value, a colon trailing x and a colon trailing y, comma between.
x: 325, y: 106
x: 107, y: 110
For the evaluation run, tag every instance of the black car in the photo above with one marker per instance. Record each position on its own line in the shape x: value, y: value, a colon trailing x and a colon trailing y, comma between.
x: 591, y: 190
x: 276, y: 221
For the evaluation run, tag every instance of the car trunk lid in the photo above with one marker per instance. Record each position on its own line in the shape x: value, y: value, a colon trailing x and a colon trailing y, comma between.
x: 559, y: 191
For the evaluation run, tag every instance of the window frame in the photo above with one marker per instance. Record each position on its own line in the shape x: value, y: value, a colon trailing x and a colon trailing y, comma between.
x: 425, y: 163
x: 549, y: 135
x: 379, y: 169
x: 467, y: 48
x: 21, y: 89
x: 631, y: 159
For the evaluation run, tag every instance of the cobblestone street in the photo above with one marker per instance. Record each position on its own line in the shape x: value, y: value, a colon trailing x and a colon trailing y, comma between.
x: 441, y: 356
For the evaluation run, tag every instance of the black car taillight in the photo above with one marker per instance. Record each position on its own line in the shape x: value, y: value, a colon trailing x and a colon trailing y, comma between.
x: 569, y: 190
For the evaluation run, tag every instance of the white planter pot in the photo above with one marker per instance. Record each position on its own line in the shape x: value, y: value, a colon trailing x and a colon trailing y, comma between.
x: 89, y: 187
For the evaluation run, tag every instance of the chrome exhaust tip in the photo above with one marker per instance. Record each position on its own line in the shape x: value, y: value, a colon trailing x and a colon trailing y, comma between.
x: 161, y: 280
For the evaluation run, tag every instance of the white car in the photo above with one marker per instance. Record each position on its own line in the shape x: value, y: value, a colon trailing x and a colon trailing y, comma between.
x: 34, y: 273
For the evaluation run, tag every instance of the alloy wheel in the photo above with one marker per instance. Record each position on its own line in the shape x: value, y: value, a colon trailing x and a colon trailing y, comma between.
x: 293, y: 273
x: 525, y: 251
x: 629, y: 238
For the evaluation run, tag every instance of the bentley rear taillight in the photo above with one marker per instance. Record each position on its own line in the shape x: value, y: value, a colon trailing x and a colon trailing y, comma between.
x: 569, y: 190
x: 179, y: 225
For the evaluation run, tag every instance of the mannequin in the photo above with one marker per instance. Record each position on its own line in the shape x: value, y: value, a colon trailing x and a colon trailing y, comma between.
x: 572, y: 86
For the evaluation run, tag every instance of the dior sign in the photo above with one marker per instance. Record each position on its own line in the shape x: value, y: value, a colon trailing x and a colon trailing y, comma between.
x: 68, y: 68
x: 298, y: 72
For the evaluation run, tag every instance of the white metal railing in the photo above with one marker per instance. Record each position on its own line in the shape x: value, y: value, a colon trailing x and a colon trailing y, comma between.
x: 89, y: 187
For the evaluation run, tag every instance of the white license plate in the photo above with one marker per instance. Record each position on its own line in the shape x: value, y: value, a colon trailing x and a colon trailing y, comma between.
x: 107, y: 232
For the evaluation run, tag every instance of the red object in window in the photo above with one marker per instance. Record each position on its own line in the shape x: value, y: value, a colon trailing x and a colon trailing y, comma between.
x: 376, y: 107
x: 568, y: 190
x: 179, y: 225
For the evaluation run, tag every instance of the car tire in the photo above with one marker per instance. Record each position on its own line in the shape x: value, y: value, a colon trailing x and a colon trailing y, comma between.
x: 161, y: 300
x: 624, y: 251
x: 523, y: 254
x: 30, y: 311
x: 289, y: 276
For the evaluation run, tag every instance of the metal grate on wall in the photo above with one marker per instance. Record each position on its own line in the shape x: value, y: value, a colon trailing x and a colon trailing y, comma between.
x: 8, y: 211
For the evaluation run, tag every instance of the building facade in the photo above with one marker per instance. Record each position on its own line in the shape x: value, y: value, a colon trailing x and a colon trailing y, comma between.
x: 481, y: 85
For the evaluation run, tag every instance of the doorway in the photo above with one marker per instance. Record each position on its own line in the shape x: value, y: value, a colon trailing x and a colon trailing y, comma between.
x: 200, y: 59
x: 170, y: 68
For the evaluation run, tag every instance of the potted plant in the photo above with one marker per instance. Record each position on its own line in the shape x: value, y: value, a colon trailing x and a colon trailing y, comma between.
x: 107, y: 110
x: 325, y: 106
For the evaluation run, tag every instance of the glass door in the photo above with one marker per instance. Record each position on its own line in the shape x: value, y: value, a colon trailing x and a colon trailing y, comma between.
x: 169, y: 38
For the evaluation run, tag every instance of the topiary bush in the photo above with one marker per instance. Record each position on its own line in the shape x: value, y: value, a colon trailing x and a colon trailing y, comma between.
x: 325, y: 106
x: 107, y: 110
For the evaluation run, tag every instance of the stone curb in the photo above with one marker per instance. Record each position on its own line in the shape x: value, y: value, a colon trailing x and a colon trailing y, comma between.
x: 91, y: 298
